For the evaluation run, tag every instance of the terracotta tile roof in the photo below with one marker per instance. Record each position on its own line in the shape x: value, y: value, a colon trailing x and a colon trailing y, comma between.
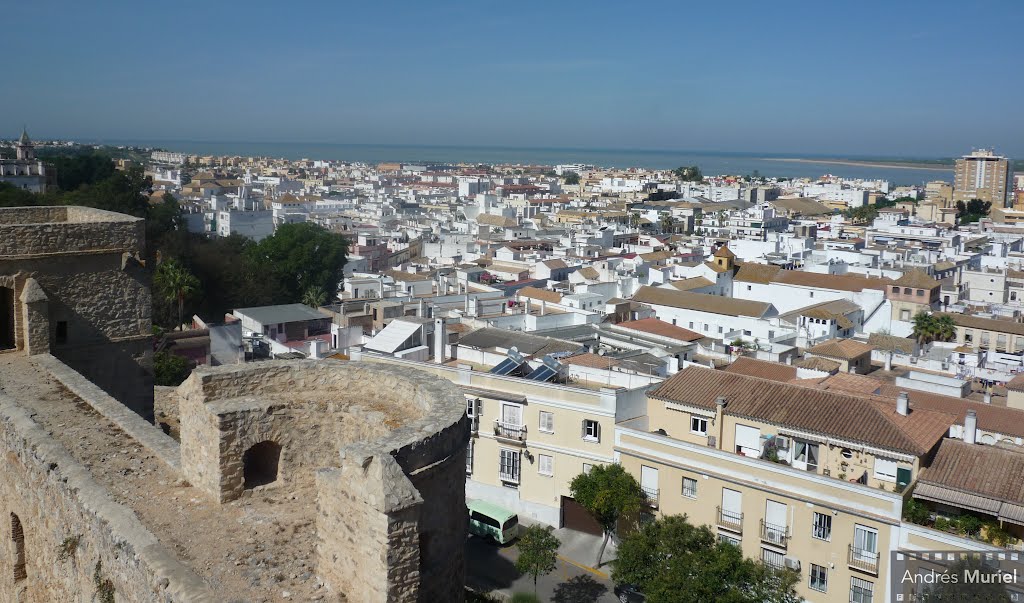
x: 997, y: 419
x: 716, y: 267
x: 691, y: 283
x: 655, y: 256
x: 988, y: 324
x: 660, y: 327
x: 917, y: 279
x: 772, y: 371
x: 983, y: 470
x: 493, y: 220
x: 816, y: 363
x: 756, y: 273
x: 589, y: 272
x: 724, y: 252
x: 540, y: 294
x: 555, y: 264
x: 835, y: 282
x: 701, y: 302
x: 844, y: 349
x: 591, y: 361
x: 1016, y: 384
x: 860, y: 419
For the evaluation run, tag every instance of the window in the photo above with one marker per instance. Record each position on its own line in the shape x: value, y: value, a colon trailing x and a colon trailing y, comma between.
x: 728, y: 539
x: 805, y: 456
x: 691, y: 324
x: 885, y: 469
x: 919, y: 293
x: 689, y: 487
x: 746, y: 333
x: 748, y: 287
x: 719, y: 329
x: 968, y: 335
x: 847, y: 453
x: 484, y: 519
x: 508, y: 465
x: 821, y: 526
x: 699, y: 425
x: 818, y: 578
x: 861, y: 591
x: 469, y: 458
x: 18, y: 536
x: 591, y: 430
x: 772, y: 558
x: 587, y: 467
x: 6, y: 318
x: 547, y: 421
x: 545, y: 464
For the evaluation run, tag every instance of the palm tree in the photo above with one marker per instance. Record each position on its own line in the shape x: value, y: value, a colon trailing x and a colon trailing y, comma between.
x: 945, y: 328
x: 175, y: 283
x: 926, y: 327
x: 314, y: 296
x: 667, y: 223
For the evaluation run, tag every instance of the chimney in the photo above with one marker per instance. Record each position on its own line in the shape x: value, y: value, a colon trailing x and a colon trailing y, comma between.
x: 970, y: 427
x: 903, y: 404
x: 988, y: 395
x: 419, y: 308
x: 440, y: 341
x: 720, y: 403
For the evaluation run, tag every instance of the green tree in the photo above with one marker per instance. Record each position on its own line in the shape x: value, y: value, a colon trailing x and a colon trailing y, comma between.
x: 673, y: 561
x: 688, y: 174
x: 175, y: 283
x: 973, y: 210
x: 864, y: 214
x: 169, y: 369
x: 931, y: 327
x: 538, y: 550
x: 300, y: 256
x: 607, y: 492
x: 571, y: 178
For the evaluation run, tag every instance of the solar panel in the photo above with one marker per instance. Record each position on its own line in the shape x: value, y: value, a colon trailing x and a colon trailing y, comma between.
x: 507, y: 366
x: 543, y: 373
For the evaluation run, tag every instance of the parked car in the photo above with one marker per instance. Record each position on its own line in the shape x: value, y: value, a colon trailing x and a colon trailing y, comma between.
x: 492, y: 522
x: 629, y: 593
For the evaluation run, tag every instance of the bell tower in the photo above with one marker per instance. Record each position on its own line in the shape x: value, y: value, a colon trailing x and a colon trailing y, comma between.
x: 26, y: 150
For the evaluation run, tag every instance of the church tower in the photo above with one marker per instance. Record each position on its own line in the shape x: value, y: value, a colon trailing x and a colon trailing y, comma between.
x: 26, y: 150
x: 725, y: 258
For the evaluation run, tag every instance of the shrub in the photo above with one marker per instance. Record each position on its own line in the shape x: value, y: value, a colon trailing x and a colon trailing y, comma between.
x: 968, y: 524
x: 915, y: 511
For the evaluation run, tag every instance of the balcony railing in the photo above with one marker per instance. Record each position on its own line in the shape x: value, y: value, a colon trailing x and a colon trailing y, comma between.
x: 651, y: 495
x: 730, y: 520
x: 474, y: 424
x: 863, y: 560
x: 510, y: 431
x: 774, y: 534
x: 511, y: 477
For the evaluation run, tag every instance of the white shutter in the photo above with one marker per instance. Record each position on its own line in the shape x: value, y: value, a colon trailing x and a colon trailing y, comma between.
x: 748, y: 439
x: 648, y: 478
x: 732, y: 501
x: 885, y: 469
x: 545, y: 464
x: 775, y: 513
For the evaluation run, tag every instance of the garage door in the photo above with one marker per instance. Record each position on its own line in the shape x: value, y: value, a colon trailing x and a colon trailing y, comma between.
x: 575, y: 517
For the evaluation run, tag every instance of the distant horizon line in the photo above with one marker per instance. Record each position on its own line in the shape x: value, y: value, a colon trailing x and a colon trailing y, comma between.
x: 750, y: 154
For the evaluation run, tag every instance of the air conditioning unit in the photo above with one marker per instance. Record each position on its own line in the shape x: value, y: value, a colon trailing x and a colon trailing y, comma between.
x: 782, y: 442
x: 792, y: 563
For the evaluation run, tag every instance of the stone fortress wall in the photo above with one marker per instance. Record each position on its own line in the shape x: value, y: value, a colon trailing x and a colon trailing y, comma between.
x: 386, y: 449
x: 75, y: 283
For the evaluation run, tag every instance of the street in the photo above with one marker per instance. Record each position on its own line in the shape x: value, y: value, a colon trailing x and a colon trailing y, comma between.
x: 490, y: 567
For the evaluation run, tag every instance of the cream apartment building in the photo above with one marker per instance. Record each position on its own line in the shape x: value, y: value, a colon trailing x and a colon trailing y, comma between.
x: 531, y: 438
x: 831, y: 504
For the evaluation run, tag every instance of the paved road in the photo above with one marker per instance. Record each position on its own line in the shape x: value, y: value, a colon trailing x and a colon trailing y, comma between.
x: 491, y: 567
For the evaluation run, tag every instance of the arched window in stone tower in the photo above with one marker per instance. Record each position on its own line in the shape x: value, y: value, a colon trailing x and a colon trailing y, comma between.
x: 18, y: 536
x: 260, y: 464
x: 6, y: 318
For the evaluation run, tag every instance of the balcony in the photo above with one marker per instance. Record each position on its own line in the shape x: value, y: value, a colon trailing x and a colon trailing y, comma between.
x: 863, y: 560
x: 730, y: 520
x: 510, y: 432
x: 650, y: 496
x: 509, y: 477
x: 774, y: 534
x: 474, y: 425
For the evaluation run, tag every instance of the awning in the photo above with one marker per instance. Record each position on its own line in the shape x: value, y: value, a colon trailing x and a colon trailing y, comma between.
x: 1012, y: 513
x: 954, y: 498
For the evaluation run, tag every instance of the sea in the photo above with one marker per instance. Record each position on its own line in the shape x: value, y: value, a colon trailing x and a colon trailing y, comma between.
x: 710, y: 163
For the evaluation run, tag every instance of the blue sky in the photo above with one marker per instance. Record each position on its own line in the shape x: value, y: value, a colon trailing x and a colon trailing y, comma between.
x: 883, y: 78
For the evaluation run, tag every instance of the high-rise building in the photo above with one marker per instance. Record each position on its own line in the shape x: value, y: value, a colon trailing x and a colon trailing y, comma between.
x: 983, y: 175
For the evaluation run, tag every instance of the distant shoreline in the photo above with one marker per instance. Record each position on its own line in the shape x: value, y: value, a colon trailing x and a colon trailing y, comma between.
x: 856, y: 163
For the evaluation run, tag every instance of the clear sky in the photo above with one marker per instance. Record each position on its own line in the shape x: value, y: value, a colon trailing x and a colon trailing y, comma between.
x: 928, y: 78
